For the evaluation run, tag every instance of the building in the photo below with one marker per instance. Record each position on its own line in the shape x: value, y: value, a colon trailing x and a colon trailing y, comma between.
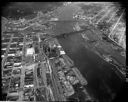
x: 35, y: 67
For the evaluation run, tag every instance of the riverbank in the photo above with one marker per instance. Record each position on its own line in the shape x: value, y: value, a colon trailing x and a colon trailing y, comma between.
x: 102, y: 80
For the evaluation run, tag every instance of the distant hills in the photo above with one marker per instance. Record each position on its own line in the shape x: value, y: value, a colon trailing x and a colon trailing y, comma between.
x: 21, y: 9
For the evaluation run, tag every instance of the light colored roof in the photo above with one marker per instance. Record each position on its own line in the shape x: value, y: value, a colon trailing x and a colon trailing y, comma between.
x: 21, y: 43
x: 30, y: 66
x: 62, y: 52
x: 2, y: 55
x: 59, y: 46
x: 13, y: 94
x: 16, y: 64
x: 30, y: 51
x: 29, y: 85
x: 11, y: 54
x: 4, y: 48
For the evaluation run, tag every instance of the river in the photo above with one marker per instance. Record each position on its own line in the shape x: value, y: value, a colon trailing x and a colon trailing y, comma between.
x: 102, y: 80
x: 103, y: 83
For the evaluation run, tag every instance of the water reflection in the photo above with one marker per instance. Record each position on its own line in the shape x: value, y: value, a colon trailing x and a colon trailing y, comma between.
x: 103, y: 83
x: 62, y: 27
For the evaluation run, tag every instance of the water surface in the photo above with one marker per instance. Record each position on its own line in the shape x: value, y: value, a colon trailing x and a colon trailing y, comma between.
x: 103, y: 83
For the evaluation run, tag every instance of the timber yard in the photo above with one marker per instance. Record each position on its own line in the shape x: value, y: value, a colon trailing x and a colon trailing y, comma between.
x: 64, y: 54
